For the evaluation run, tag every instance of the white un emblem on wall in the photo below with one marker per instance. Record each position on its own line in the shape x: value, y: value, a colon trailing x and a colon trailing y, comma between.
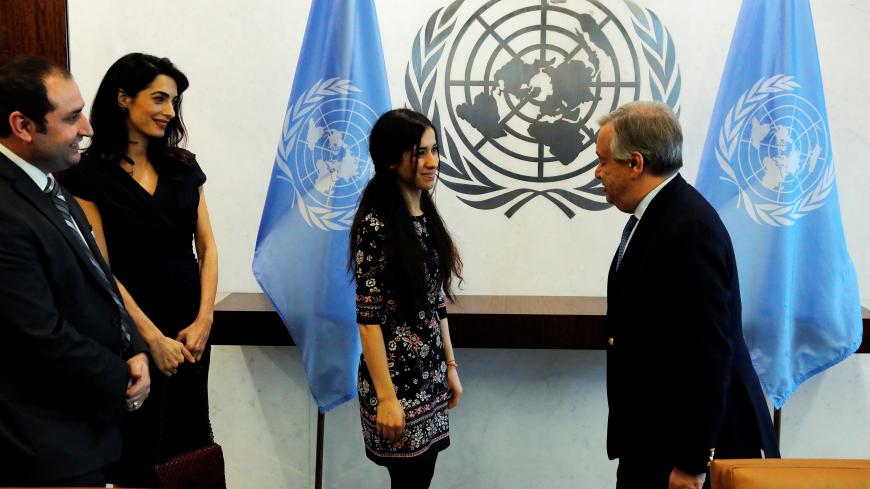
x: 774, y: 147
x: 324, y: 153
x: 515, y: 89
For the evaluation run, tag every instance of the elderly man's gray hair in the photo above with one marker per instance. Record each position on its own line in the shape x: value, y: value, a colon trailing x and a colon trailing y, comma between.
x: 651, y: 129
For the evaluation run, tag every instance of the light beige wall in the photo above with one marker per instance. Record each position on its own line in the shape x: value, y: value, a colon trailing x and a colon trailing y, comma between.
x: 241, y: 56
x: 529, y: 418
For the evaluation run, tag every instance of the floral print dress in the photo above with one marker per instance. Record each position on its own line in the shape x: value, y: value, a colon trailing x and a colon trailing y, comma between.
x: 415, y: 350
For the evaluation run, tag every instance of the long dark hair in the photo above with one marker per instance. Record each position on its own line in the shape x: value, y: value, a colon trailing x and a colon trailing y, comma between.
x: 394, y: 134
x: 133, y: 73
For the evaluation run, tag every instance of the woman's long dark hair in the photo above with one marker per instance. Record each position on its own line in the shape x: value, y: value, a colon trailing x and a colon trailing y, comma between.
x: 132, y: 73
x: 396, y: 133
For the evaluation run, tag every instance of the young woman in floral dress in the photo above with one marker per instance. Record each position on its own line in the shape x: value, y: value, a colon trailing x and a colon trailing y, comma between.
x: 404, y: 261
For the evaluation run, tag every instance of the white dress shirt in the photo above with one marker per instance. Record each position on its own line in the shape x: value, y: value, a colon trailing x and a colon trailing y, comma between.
x: 644, y: 203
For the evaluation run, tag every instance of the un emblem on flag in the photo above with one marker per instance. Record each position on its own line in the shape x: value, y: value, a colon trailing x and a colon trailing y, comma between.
x: 774, y: 146
x: 324, y: 153
x: 515, y: 89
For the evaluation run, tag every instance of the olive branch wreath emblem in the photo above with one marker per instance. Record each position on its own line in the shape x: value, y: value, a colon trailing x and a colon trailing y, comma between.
x: 665, y: 81
x: 767, y: 213
x: 463, y: 177
x: 323, y: 218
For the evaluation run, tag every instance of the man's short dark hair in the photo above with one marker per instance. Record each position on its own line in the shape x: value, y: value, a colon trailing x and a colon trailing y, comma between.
x: 651, y: 129
x: 22, y: 89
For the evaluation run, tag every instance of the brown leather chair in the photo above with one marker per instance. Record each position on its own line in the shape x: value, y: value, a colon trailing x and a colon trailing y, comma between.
x: 790, y: 474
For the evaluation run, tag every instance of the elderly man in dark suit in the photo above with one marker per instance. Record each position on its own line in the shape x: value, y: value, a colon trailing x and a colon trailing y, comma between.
x: 70, y: 357
x: 680, y: 385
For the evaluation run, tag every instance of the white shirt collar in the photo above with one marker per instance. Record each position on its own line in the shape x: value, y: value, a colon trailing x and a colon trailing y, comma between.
x: 644, y: 203
x: 38, y: 176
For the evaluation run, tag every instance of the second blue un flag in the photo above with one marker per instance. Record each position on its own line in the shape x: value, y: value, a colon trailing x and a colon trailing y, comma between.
x: 321, y: 167
x: 768, y: 168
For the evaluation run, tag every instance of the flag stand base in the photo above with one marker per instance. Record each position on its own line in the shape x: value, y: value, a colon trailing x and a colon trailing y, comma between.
x: 318, y: 464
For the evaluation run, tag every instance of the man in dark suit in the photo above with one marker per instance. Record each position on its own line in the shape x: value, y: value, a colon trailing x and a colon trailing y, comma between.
x: 69, y: 355
x: 680, y: 385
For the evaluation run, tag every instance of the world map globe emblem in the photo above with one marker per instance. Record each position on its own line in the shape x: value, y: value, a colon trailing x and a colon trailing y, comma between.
x: 515, y: 89
x: 525, y: 84
x: 783, y: 149
x: 331, y: 163
x: 773, y: 146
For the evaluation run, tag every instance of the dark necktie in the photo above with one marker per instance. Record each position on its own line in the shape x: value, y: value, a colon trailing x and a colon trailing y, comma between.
x: 623, y: 242
x: 52, y: 189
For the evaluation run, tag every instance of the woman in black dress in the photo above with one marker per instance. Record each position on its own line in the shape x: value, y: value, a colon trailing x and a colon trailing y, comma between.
x: 404, y: 261
x: 143, y: 197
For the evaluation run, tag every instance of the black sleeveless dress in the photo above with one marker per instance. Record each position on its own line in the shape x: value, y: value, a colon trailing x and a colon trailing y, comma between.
x: 151, y: 251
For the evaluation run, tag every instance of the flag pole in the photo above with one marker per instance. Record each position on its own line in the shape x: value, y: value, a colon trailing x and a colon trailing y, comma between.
x: 777, y: 423
x: 773, y: 61
x: 318, y: 461
x: 339, y: 90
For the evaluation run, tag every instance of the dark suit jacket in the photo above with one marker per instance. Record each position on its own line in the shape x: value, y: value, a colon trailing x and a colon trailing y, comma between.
x: 64, y: 377
x: 679, y: 377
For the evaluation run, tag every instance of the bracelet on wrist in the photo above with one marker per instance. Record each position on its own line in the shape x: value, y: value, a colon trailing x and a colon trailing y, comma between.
x: 452, y: 363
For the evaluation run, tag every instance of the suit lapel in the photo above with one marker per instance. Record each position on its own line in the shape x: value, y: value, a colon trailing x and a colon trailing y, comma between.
x: 611, y: 273
x: 25, y: 187
x: 645, y: 228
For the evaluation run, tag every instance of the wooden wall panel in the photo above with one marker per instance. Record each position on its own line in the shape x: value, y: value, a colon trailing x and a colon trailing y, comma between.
x: 475, y: 322
x: 34, y: 27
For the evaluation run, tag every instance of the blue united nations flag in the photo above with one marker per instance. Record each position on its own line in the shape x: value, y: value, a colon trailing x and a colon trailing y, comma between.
x: 768, y: 168
x: 321, y: 167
